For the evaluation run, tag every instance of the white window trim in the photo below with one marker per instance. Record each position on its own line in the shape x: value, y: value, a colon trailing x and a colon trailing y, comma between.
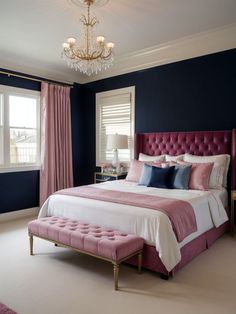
x: 114, y: 92
x: 15, y: 91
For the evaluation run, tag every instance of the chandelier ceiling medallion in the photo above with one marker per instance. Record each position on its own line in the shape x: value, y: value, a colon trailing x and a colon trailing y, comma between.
x: 89, y: 55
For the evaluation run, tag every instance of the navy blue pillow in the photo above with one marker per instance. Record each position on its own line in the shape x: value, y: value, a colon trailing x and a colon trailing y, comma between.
x: 181, y: 177
x: 161, y: 177
x: 145, y: 175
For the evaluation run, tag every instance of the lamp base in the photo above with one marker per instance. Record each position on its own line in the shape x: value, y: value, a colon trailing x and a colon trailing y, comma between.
x: 115, y: 162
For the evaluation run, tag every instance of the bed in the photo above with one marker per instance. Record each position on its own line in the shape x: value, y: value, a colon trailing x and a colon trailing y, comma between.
x: 162, y: 252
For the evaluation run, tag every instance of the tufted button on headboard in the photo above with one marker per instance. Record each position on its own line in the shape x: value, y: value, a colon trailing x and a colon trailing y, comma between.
x: 201, y: 143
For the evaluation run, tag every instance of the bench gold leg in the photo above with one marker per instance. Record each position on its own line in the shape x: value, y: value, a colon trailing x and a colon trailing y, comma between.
x: 31, y: 242
x: 116, y: 275
x: 140, y: 257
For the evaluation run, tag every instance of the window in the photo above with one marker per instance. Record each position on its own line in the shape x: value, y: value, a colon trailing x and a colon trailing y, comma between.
x: 114, y: 114
x: 19, y: 129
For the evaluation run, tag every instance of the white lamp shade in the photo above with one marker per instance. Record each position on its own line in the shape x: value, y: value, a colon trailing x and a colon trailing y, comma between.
x: 117, y: 141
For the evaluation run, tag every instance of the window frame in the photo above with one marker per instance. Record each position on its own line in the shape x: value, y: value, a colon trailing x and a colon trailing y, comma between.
x: 8, y: 91
x: 111, y: 93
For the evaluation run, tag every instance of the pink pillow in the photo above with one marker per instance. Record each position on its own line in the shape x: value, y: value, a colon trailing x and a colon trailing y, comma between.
x: 136, y: 167
x: 200, y: 175
x: 135, y: 170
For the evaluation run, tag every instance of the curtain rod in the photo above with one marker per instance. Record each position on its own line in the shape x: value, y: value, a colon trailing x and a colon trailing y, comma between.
x: 34, y: 79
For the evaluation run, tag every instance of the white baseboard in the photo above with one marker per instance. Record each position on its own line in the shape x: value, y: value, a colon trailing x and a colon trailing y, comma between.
x: 19, y: 214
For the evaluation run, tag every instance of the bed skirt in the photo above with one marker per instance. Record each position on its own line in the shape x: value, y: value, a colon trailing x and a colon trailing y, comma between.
x: 192, y: 249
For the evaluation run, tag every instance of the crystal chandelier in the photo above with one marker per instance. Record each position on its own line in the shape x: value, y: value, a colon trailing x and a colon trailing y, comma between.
x: 90, y: 54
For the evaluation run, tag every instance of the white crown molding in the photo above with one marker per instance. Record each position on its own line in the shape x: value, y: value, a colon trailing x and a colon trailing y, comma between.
x: 184, y: 48
x: 19, y: 214
x: 200, y: 44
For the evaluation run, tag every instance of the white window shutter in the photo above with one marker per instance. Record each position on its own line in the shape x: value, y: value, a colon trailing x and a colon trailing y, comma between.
x: 115, y: 114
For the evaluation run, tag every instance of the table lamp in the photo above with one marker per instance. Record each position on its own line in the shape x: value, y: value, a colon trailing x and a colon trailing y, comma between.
x: 115, y: 142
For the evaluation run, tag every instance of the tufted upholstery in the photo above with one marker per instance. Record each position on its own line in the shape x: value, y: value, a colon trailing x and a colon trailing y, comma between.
x: 201, y: 143
x: 107, y: 243
x: 176, y: 143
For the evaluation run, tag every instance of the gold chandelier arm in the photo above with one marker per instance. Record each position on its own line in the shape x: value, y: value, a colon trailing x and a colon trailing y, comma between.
x: 107, y: 56
x: 93, y: 21
x: 100, y: 55
x: 87, y: 21
x: 70, y: 53
x: 78, y: 54
x: 83, y: 19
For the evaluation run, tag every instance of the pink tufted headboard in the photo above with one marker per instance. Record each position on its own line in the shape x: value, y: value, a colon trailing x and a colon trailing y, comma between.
x: 202, y: 143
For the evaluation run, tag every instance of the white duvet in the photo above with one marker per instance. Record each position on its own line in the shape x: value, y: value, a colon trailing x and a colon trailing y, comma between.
x: 154, y: 226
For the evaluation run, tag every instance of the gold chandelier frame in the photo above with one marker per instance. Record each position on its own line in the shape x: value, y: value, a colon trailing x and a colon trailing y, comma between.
x: 101, y: 53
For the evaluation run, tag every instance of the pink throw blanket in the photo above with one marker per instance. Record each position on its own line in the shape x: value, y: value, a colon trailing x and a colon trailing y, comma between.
x: 5, y: 309
x: 180, y: 213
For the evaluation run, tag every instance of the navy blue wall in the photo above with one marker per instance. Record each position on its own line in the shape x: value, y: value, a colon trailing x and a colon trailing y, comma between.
x: 195, y: 94
x: 20, y: 190
x: 76, y: 125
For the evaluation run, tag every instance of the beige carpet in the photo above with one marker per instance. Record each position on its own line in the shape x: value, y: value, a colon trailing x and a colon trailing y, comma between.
x: 59, y: 281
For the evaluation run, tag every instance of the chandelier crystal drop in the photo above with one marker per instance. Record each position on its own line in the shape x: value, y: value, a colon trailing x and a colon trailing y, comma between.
x: 91, y: 54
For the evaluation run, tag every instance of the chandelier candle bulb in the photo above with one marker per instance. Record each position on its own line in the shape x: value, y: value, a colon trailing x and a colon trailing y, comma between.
x: 100, y: 39
x: 110, y: 45
x: 65, y: 45
x: 71, y: 41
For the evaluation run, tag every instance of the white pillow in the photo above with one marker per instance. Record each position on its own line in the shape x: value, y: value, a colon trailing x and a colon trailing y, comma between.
x: 220, y: 168
x: 143, y: 157
x: 226, y: 170
x: 174, y: 158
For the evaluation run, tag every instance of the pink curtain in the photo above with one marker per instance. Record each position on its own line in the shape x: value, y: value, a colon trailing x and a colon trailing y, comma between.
x: 56, y: 151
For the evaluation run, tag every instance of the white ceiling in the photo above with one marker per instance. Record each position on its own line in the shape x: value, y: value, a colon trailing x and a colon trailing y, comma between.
x: 32, y: 31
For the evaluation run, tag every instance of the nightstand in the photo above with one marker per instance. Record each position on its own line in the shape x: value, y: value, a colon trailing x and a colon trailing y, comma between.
x: 103, y: 177
x: 233, y: 199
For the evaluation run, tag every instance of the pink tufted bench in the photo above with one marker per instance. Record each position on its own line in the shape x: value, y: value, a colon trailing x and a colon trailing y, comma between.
x: 106, y: 244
